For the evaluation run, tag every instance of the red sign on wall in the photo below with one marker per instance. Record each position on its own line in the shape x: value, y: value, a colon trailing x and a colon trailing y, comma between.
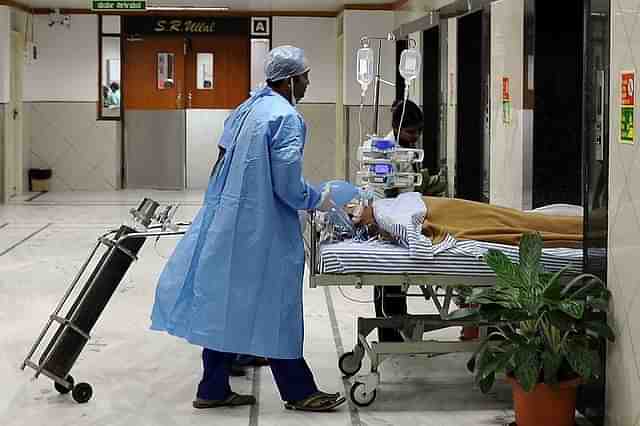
x: 506, y: 96
x: 628, y: 88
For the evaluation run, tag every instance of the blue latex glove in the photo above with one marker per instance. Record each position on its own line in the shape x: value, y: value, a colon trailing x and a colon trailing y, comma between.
x: 341, y: 191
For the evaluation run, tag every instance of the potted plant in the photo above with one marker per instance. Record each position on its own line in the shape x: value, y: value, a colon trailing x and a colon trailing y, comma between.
x: 547, y: 334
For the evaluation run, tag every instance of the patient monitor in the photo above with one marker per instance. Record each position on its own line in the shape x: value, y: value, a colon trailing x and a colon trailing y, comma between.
x: 384, y: 164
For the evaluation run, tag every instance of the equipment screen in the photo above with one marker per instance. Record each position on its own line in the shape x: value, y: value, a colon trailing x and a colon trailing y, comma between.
x: 382, y: 169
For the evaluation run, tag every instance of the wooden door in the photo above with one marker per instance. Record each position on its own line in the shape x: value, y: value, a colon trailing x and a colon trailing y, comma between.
x: 153, y: 73
x: 217, y: 71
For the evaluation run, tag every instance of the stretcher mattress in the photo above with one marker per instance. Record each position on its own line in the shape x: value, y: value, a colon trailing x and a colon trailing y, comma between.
x: 459, y: 258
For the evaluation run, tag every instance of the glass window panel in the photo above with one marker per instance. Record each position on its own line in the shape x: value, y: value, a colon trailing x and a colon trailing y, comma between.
x: 205, y: 71
x: 110, y: 24
x: 111, y: 93
x: 166, y: 70
x: 259, y: 51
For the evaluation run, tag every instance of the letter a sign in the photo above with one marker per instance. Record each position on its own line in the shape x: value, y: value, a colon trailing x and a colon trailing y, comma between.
x: 260, y: 27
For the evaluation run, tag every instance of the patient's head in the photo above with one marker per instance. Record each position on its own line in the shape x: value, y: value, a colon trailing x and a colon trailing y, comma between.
x: 412, y: 123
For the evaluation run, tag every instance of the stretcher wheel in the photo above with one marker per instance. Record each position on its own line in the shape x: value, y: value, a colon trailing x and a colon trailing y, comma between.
x: 64, y: 390
x: 360, y: 396
x: 349, y: 364
x: 82, y: 393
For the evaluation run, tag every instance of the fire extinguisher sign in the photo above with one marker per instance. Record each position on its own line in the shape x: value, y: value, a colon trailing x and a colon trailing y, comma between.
x: 627, y: 106
x: 506, y: 101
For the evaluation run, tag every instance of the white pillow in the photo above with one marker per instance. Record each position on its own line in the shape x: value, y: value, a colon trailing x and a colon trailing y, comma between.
x: 402, y: 218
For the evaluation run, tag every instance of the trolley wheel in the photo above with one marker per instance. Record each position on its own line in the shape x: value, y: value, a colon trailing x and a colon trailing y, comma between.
x: 360, y: 396
x: 349, y: 364
x: 82, y: 393
x: 64, y: 390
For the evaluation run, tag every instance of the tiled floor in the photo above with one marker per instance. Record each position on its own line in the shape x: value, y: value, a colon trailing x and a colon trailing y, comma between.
x: 142, y: 377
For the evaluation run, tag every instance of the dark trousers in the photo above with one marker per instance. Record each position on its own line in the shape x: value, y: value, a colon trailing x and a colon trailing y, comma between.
x: 389, y: 301
x: 293, y: 377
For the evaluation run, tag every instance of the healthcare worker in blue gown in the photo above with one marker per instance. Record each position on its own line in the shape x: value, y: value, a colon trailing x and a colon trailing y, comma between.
x: 234, y: 282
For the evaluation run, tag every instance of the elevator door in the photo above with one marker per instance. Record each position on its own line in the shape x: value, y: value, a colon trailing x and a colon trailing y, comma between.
x: 558, y: 82
x: 431, y: 99
x: 471, y: 168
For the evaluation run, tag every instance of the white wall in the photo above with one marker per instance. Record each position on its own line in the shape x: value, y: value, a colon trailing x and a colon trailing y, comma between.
x: 317, y: 36
x: 452, y: 101
x: 373, y: 24
x: 67, y: 69
x: 623, y: 280
x: 507, y: 58
x: 5, y: 53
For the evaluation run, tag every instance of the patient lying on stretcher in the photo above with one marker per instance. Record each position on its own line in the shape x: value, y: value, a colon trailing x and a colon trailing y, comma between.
x: 470, y: 220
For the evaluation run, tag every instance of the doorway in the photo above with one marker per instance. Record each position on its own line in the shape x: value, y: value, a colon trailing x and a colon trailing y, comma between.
x: 170, y: 84
x: 558, y: 82
x: 431, y: 99
x: 472, y: 173
x: 14, y: 174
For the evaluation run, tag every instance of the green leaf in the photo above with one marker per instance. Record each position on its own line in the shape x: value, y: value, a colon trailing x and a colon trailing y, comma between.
x: 601, y: 329
x: 471, y: 364
x: 464, y: 313
x: 486, y: 358
x: 527, y: 368
x: 573, y: 309
x: 516, y: 315
x: 561, y: 320
x: 599, y: 303
x: 551, y: 363
x: 507, y: 274
x: 497, y: 365
x: 585, y: 362
x: 530, y: 254
x: 487, y: 383
x: 553, y: 290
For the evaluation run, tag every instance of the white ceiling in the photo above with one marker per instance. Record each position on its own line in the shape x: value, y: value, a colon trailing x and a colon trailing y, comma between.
x: 242, y: 5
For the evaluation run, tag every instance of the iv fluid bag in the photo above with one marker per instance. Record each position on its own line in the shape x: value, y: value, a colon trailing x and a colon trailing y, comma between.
x: 364, y: 64
x: 410, y: 62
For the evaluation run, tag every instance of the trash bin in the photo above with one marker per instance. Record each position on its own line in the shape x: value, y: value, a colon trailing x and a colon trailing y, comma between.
x: 39, y: 180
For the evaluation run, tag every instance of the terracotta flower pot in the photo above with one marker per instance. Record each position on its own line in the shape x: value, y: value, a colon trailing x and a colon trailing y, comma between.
x: 545, y: 405
x: 469, y: 332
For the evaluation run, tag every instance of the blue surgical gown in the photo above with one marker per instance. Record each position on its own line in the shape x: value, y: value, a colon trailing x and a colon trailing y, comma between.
x: 234, y: 281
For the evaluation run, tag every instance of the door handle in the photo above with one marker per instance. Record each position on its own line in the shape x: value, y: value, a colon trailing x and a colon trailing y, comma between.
x: 189, y: 98
x: 179, y: 100
x: 15, y: 113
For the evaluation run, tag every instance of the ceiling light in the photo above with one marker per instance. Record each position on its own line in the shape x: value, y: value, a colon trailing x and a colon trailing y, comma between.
x: 194, y: 8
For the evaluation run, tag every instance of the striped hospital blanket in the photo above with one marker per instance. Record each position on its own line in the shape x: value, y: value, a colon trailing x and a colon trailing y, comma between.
x: 450, y: 257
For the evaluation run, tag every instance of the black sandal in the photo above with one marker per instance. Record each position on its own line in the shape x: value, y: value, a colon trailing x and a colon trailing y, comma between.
x: 233, y: 400
x: 318, y: 402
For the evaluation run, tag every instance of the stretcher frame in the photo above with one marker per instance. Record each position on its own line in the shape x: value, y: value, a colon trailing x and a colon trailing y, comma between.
x: 435, y: 287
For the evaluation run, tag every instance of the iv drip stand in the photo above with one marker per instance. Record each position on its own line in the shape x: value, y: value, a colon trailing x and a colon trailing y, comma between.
x: 376, y: 104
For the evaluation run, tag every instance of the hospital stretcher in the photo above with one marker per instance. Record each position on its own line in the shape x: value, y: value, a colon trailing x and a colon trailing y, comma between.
x: 362, y: 265
x: 120, y: 248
